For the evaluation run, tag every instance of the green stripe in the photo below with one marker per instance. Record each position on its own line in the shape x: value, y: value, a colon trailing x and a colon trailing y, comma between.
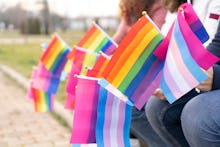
x: 101, y: 45
x: 139, y: 63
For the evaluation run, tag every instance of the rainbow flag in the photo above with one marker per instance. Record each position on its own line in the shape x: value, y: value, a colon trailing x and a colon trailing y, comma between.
x: 85, y: 112
x: 133, y: 62
x: 99, y: 66
x: 96, y: 40
x: 80, y: 66
x: 43, y: 101
x: 113, y: 121
x: 54, y: 57
x: 181, y: 73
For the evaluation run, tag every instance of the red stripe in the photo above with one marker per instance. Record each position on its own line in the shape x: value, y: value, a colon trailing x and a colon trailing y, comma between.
x: 214, y: 16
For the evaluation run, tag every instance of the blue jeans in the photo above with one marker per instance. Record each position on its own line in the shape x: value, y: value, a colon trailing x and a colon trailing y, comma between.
x: 165, y: 119
x: 141, y: 129
x: 201, y: 120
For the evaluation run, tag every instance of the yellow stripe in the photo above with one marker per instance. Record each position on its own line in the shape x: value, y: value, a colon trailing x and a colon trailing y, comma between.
x: 91, y: 39
x: 128, y: 50
x: 97, y: 41
x: 88, y: 62
x: 133, y: 58
x: 53, y: 57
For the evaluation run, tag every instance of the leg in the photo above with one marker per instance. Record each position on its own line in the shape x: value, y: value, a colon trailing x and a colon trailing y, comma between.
x: 171, y: 118
x: 141, y: 128
x: 155, y: 109
x: 201, y: 120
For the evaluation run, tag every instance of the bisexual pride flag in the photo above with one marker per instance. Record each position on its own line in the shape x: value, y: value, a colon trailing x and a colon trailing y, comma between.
x: 113, y: 121
x: 85, y: 112
x: 183, y: 69
x: 133, y: 66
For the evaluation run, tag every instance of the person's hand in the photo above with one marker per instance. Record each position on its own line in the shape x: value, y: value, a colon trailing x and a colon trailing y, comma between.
x: 159, y: 94
x: 207, y: 84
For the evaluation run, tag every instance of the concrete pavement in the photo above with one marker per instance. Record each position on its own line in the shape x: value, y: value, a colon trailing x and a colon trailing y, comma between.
x: 20, y: 126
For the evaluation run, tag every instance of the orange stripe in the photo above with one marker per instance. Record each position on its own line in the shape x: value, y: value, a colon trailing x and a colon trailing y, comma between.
x: 129, y: 50
x: 86, y: 36
x: 128, y: 38
x: 53, y: 41
x: 51, y: 51
x: 91, y: 39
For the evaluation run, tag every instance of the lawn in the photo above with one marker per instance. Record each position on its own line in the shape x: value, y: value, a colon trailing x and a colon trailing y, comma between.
x: 22, y: 53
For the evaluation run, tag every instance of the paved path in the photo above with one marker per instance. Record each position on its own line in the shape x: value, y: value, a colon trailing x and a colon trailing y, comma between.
x: 20, y: 126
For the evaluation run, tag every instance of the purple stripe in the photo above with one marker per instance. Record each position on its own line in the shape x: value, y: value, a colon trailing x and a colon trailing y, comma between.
x: 148, y: 92
x: 93, y: 84
x: 110, y: 49
x: 107, y: 121
x: 121, y: 121
x: 146, y: 82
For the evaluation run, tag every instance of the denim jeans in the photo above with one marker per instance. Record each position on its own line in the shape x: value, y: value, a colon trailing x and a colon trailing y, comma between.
x: 165, y: 119
x: 201, y: 120
x: 141, y: 129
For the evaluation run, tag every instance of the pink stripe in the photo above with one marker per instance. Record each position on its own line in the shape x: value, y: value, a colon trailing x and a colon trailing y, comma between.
x: 107, y: 123
x: 121, y: 121
x: 181, y: 65
x: 197, y: 50
x: 83, y: 130
x: 173, y: 86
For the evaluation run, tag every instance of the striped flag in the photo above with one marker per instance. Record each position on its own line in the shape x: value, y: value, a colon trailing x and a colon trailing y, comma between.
x: 133, y: 63
x: 85, y: 145
x: 96, y: 39
x: 113, y: 121
x: 195, y: 26
x: 85, y: 112
x: 181, y: 73
x: 43, y: 101
x: 54, y: 57
x: 84, y: 59
x: 44, y: 80
x: 99, y: 66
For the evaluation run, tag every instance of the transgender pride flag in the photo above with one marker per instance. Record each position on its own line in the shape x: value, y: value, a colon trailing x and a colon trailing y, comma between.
x: 113, y: 121
x: 181, y: 73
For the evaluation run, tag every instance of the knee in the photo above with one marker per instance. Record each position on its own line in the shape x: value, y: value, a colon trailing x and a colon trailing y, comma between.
x: 154, y: 109
x: 199, y: 120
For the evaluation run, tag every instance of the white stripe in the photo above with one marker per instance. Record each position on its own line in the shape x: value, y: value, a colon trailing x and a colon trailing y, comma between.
x: 114, y: 122
x: 176, y: 75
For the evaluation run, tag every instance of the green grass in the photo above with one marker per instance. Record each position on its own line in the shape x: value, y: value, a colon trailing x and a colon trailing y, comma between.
x: 22, y: 57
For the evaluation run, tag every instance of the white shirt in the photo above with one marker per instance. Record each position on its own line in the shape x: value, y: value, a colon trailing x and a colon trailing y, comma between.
x: 205, y: 9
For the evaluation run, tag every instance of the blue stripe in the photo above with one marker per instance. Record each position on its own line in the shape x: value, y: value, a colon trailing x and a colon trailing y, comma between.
x: 199, y: 31
x: 127, y: 124
x: 61, y: 59
x: 140, y: 76
x: 192, y: 66
x: 167, y: 92
x: 106, y: 46
x: 101, y: 116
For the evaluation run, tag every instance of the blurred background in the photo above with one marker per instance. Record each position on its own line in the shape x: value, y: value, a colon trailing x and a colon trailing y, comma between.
x: 27, y: 24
